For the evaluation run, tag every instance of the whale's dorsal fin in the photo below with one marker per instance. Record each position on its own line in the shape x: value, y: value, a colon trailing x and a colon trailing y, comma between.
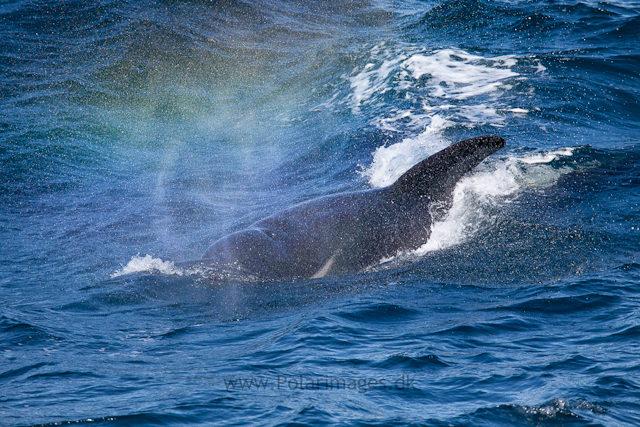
x: 444, y: 169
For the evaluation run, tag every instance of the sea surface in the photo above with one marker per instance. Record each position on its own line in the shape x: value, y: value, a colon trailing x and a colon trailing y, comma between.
x: 133, y: 134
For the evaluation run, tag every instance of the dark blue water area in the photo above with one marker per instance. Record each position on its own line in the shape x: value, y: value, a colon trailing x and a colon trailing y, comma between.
x: 134, y: 134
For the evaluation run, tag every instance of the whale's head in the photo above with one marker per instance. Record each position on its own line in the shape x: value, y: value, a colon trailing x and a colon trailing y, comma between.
x: 254, y: 250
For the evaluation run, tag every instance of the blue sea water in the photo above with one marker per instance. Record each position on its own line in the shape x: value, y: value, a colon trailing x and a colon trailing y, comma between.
x: 133, y: 134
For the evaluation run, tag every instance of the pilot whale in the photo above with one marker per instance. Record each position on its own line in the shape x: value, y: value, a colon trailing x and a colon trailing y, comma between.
x: 348, y: 232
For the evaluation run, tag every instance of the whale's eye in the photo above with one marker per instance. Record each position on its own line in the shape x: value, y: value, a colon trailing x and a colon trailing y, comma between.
x: 271, y: 234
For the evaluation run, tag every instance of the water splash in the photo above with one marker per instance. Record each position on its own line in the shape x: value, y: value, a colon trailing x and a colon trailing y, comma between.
x: 148, y: 264
x: 477, y: 197
x: 442, y: 89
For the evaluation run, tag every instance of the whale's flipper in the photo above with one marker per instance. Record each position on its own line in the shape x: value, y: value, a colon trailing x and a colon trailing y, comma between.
x: 440, y: 172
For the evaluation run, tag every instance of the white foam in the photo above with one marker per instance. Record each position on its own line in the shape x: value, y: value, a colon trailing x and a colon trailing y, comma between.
x: 477, y: 197
x: 540, y: 68
x: 463, y: 87
x: 148, y: 264
x: 456, y: 74
x: 534, y: 170
x: 372, y: 79
x: 474, y: 207
x: 517, y: 110
x: 548, y: 157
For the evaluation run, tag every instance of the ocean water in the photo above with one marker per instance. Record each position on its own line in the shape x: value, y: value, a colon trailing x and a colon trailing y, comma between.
x: 133, y: 134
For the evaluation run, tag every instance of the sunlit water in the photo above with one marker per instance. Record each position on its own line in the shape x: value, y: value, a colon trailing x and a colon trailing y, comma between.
x: 134, y: 134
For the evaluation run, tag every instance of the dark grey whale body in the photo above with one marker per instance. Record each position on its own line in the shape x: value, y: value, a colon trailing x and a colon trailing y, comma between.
x: 348, y: 232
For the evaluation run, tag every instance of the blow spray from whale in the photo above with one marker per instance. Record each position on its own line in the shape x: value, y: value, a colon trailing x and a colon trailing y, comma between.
x: 348, y: 232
